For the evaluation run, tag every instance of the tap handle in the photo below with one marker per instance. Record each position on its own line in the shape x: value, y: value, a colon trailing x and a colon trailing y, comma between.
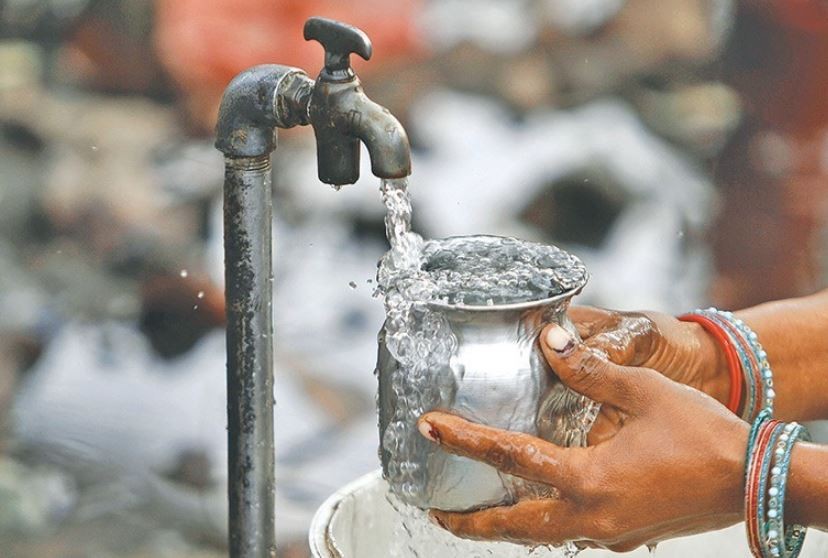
x: 339, y: 40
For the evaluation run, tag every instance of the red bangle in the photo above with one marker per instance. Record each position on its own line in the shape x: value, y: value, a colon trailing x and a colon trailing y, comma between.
x: 733, y: 364
x: 747, y: 414
x: 752, y: 486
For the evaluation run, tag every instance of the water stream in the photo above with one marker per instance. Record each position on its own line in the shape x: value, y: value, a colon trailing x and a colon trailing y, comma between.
x: 464, y: 270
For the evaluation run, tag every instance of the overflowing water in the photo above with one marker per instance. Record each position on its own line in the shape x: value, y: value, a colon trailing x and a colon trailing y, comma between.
x: 418, y: 338
x: 416, y: 537
x: 493, y: 270
x: 473, y: 271
x: 415, y: 278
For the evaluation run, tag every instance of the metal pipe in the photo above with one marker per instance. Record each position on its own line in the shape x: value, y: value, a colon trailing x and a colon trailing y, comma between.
x: 249, y: 298
x: 255, y: 104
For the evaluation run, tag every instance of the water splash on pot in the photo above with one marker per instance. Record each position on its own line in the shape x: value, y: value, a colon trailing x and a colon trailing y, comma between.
x: 415, y: 278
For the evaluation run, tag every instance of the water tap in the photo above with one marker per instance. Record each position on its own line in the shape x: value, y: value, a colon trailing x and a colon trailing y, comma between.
x: 342, y: 115
x: 265, y: 98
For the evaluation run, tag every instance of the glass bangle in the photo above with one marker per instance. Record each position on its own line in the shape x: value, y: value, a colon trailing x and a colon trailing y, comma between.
x: 749, y: 372
x: 748, y: 339
x: 760, y: 354
x: 753, y: 487
x: 771, y: 444
x: 794, y: 535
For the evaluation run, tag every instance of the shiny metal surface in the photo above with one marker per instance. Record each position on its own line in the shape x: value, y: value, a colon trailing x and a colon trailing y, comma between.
x: 501, y: 379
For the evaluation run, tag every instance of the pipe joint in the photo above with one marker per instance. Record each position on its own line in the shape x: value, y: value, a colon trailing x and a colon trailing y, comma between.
x: 256, y: 103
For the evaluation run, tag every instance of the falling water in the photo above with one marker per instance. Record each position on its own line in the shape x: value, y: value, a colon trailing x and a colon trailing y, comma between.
x: 478, y: 270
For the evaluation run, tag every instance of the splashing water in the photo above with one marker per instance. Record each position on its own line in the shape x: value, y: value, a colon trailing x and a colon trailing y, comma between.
x: 418, y: 338
x: 472, y: 271
x: 413, y: 276
x: 492, y: 270
x: 415, y: 536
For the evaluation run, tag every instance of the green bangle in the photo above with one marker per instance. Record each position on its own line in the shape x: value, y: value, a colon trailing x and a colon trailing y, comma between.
x: 763, y: 416
x: 794, y: 535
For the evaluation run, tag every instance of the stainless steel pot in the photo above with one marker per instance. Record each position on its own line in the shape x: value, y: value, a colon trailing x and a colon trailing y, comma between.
x: 496, y: 376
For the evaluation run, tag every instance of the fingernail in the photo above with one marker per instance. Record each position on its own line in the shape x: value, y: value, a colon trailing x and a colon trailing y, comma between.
x: 559, y: 339
x: 436, y: 520
x: 428, y: 431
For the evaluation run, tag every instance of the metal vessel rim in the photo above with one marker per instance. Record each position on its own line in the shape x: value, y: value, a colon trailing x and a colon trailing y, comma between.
x: 526, y: 305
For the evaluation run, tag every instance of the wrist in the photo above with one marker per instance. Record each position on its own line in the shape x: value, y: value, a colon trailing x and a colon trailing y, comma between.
x: 732, y: 472
x: 807, y: 488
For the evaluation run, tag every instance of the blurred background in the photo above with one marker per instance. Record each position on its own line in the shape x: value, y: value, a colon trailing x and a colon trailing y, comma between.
x: 677, y: 146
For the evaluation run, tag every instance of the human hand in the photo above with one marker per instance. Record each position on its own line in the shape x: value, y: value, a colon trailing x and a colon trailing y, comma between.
x: 673, y: 467
x: 682, y: 351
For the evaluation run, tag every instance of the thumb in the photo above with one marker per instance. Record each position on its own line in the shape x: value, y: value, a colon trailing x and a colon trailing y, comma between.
x: 587, y: 371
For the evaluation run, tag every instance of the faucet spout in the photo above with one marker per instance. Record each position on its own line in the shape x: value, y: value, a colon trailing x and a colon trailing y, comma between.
x: 384, y: 137
x: 342, y: 116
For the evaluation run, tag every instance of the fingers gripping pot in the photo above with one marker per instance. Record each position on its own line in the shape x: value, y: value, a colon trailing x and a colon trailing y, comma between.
x: 496, y: 375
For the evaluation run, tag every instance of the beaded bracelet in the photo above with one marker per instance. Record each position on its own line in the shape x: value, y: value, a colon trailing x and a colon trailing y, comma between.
x: 759, y: 368
x: 770, y: 446
x: 749, y: 364
x: 755, y: 371
x: 794, y: 535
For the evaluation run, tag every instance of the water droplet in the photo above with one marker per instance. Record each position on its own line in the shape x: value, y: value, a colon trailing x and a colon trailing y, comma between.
x: 569, y: 550
x: 195, y: 307
x: 93, y: 147
x: 183, y: 273
x: 200, y: 294
x: 352, y: 284
x: 652, y: 548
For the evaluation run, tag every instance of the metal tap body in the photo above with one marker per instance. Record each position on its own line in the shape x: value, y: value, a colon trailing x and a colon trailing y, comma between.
x: 342, y: 116
x: 255, y: 104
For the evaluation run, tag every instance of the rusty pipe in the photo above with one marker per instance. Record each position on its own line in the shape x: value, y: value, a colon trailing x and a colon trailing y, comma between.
x: 255, y: 104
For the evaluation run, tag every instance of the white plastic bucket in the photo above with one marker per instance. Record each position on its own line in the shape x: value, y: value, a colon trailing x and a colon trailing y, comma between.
x: 358, y: 522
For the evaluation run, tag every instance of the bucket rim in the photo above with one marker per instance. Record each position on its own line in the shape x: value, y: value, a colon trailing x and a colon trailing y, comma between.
x: 319, y: 539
